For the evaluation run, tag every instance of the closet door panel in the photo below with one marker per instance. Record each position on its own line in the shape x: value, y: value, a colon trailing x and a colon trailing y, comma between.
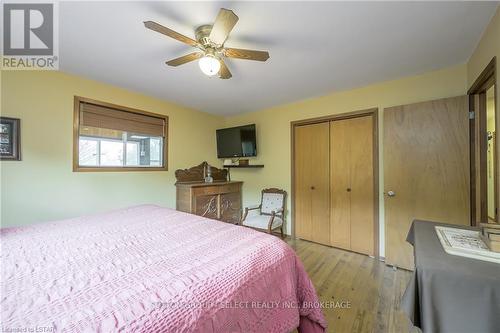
x: 320, y: 183
x: 340, y: 233
x: 362, y: 185
x: 312, y: 182
x: 302, y: 179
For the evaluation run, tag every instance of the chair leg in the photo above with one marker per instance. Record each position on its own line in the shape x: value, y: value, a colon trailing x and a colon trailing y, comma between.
x: 270, y: 225
x: 282, y: 237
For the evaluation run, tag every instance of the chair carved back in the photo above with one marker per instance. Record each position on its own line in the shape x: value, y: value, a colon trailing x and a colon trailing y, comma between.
x: 272, y: 200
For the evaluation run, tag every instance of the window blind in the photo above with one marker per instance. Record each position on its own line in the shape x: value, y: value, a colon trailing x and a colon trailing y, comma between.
x: 93, y: 115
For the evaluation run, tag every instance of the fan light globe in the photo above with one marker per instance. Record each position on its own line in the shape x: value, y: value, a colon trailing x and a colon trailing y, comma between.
x: 209, y: 65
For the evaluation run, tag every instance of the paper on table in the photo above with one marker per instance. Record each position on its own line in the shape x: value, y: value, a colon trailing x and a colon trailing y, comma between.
x: 465, y: 243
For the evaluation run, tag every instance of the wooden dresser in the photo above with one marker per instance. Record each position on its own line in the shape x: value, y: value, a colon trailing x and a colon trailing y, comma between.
x: 220, y: 200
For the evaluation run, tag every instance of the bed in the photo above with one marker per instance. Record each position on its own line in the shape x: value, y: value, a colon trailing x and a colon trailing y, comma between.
x: 152, y: 269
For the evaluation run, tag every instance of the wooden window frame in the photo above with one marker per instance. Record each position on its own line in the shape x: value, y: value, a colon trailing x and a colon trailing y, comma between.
x: 76, y: 137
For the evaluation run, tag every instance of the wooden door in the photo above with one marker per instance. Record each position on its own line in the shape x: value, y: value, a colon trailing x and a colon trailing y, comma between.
x: 362, y: 186
x: 352, y: 184
x: 311, y: 181
x: 340, y: 183
x: 426, y: 166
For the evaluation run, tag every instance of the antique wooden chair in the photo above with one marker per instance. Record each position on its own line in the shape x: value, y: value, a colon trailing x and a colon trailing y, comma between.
x: 270, y: 214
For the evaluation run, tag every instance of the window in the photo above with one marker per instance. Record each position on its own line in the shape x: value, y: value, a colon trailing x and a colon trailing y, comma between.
x: 114, y: 138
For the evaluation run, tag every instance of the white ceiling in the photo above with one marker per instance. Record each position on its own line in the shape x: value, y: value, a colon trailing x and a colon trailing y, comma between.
x: 315, y: 47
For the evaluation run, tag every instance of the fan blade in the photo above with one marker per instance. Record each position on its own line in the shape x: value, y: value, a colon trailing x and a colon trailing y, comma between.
x: 224, y: 72
x: 185, y: 59
x: 223, y: 25
x: 246, y: 54
x: 170, y: 33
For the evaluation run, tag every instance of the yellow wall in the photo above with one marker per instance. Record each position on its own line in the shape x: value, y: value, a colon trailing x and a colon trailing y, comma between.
x: 273, y: 125
x: 487, y: 48
x: 43, y: 187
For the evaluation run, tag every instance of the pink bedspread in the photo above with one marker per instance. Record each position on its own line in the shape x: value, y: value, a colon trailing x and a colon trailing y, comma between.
x: 152, y: 269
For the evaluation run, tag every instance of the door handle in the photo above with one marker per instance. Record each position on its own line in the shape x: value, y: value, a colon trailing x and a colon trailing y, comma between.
x: 391, y: 194
x: 312, y: 188
x: 348, y: 190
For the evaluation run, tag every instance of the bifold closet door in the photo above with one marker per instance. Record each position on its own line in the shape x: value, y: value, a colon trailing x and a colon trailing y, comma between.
x: 362, y: 186
x: 352, y: 203
x: 340, y: 183
x: 311, y: 182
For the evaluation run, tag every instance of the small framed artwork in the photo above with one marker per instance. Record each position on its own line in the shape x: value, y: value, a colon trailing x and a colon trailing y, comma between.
x: 10, y: 134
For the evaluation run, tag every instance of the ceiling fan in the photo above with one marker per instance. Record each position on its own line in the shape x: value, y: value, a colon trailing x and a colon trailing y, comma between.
x: 210, y: 41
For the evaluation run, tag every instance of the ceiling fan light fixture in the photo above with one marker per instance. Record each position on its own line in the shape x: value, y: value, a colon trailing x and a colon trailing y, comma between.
x: 209, y: 65
x: 210, y: 44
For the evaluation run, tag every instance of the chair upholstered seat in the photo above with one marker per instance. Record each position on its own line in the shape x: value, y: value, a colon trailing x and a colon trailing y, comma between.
x: 262, y: 222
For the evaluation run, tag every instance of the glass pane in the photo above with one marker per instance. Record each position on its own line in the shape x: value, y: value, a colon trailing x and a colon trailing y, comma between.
x: 155, y: 151
x: 141, y: 150
x: 88, y: 152
x: 149, y: 149
x: 111, y: 153
x: 132, y: 153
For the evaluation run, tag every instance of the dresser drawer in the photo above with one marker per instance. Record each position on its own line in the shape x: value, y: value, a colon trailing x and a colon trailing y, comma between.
x: 216, y: 189
x: 231, y: 188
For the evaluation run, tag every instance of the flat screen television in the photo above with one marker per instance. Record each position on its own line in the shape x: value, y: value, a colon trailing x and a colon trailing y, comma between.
x: 236, y: 142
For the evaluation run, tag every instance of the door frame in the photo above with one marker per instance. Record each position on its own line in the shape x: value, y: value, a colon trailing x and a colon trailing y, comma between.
x: 349, y: 115
x: 484, y: 81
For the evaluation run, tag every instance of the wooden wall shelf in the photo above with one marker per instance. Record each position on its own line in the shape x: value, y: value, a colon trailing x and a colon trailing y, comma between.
x: 229, y: 167
x: 244, y: 166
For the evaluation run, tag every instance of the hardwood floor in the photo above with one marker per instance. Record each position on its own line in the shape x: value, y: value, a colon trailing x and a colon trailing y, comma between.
x: 372, y: 289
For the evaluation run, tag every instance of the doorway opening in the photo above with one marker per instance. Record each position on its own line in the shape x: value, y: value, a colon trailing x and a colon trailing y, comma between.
x: 484, y: 147
x: 491, y: 156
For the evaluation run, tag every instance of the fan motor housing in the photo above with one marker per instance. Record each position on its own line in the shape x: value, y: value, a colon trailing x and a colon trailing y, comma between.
x: 202, y: 33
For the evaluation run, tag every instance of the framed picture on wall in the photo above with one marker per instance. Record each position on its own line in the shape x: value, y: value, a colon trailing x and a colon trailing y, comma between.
x: 10, y: 133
